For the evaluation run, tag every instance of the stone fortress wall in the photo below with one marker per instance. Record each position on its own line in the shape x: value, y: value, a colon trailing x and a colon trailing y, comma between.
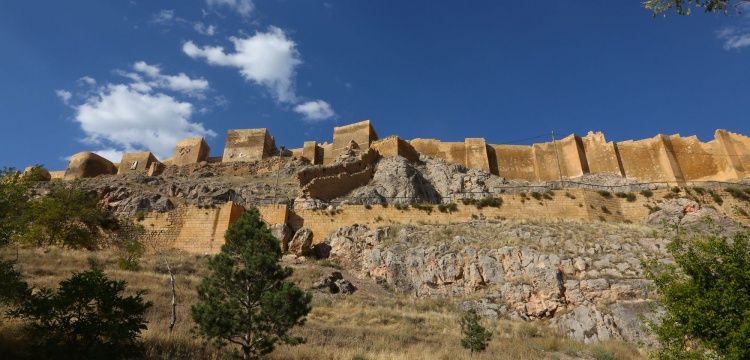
x: 663, y: 158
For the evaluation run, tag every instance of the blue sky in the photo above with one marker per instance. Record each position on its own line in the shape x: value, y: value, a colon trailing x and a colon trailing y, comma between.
x: 125, y: 75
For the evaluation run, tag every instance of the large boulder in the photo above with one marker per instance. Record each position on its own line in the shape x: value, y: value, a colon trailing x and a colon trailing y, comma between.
x: 301, y: 243
x: 396, y: 180
x: 87, y: 164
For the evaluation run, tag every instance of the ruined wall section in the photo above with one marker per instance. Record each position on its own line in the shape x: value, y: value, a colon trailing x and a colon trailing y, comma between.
x: 248, y: 145
x: 515, y: 161
x: 563, y: 158
x: 327, y: 182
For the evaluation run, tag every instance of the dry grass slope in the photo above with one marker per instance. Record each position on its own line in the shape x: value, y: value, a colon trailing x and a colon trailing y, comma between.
x: 371, y: 324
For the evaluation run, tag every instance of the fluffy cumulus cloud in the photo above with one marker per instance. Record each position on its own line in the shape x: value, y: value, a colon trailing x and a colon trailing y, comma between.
x: 315, y: 110
x: 153, y: 78
x: 64, y: 96
x: 242, y: 7
x: 734, y: 38
x: 266, y: 58
x: 130, y: 119
x: 145, y: 113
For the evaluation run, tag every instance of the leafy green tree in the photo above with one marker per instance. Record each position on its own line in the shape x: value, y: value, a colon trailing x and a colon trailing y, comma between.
x: 67, y: 216
x: 14, y: 201
x: 12, y: 287
x: 476, y: 337
x: 87, y: 318
x: 245, y: 299
x: 684, y: 7
x: 706, y: 294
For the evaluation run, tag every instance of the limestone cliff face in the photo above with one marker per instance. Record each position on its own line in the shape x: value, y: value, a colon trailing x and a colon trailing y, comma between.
x: 585, y: 279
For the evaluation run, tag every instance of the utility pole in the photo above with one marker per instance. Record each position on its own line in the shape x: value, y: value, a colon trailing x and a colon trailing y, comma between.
x: 278, y: 170
x: 557, y: 156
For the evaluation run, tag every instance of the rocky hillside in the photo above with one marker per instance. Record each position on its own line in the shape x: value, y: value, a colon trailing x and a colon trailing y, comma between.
x: 583, y: 279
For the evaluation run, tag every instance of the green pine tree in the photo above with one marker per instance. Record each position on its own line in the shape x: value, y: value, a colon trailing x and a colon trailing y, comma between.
x: 476, y: 338
x: 245, y: 300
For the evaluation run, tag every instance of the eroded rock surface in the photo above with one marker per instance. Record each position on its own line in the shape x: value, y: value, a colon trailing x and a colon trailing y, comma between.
x: 588, y: 284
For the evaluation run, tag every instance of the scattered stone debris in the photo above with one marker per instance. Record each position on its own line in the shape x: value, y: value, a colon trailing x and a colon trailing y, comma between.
x: 335, y: 284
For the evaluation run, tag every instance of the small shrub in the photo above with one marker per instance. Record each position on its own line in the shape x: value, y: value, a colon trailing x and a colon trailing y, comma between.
x: 489, y: 202
x: 740, y: 211
x: 675, y: 190
x: 527, y: 331
x: 140, y: 215
x: 601, y: 354
x: 424, y: 207
x: 469, y: 201
x: 605, y: 210
x: 378, y: 218
x: 621, y: 195
x: 737, y: 194
x: 536, y: 195
x: 716, y: 197
x: 570, y: 196
x: 368, y: 206
x: 401, y: 207
x: 448, y: 208
x: 671, y: 195
x: 605, y: 194
x: 647, y: 193
x: 630, y: 197
x: 652, y: 209
x: 699, y: 190
x: 549, y: 194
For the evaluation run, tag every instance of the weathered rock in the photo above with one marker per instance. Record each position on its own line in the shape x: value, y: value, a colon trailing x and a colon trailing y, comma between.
x: 586, y: 323
x: 283, y: 233
x: 335, y: 284
x: 301, y: 243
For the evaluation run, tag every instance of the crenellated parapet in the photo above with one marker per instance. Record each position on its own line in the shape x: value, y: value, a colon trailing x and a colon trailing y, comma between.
x: 663, y: 158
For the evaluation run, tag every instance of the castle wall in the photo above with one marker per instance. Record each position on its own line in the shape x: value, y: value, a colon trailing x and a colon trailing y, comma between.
x: 361, y: 132
x: 394, y: 146
x: 736, y: 147
x: 201, y: 230
x: 515, y: 161
x: 136, y: 162
x: 476, y: 154
x: 601, y: 155
x: 190, y: 151
x: 647, y: 160
x: 564, y: 157
x: 248, y: 145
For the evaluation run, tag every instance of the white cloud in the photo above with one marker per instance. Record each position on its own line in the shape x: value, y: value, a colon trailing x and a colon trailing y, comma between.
x: 202, y: 29
x: 87, y: 80
x: 64, y: 95
x: 126, y: 118
x: 163, y: 17
x: 734, y: 38
x: 110, y: 154
x: 242, y: 7
x: 266, y: 58
x: 315, y: 110
x: 179, y: 82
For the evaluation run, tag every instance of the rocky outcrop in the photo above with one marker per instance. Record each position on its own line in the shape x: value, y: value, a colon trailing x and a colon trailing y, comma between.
x: 516, y: 281
x: 335, y: 284
x: 301, y: 243
x: 395, y: 180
